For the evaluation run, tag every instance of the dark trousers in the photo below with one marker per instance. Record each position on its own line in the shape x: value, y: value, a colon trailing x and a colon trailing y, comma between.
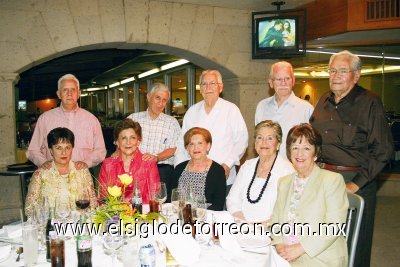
x: 364, y: 244
x: 165, y: 171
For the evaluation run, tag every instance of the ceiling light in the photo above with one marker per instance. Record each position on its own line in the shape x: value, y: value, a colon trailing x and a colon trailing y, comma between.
x: 174, y: 64
x: 360, y: 55
x: 114, y: 84
x: 95, y: 89
x: 148, y: 73
x: 128, y: 80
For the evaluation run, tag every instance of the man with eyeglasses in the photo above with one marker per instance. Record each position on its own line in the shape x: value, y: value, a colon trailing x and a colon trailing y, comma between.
x: 224, y: 121
x: 356, y: 140
x: 283, y: 107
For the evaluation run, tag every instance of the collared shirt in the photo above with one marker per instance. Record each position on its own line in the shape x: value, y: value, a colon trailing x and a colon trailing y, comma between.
x: 262, y: 210
x: 158, y: 134
x: 89, y: 143
x: 293, y: 111
x: 228, y: 131
x: 52, y: 185
x: 354, y: 132
x: 144, y: 172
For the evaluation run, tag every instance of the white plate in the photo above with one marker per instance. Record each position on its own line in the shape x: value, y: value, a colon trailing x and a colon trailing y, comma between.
x: 5, y: 252
x: 251, y: 241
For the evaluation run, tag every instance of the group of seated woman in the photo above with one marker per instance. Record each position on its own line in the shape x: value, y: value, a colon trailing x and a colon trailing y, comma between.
x: 268, y: 189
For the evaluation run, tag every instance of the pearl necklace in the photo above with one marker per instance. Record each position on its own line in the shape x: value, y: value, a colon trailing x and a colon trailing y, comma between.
x: 264, y: 186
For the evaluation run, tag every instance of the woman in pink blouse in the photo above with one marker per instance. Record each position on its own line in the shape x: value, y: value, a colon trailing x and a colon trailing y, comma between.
x: 127, y: 136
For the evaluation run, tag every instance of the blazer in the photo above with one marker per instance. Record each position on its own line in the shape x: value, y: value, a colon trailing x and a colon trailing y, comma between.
x: 324, y: 200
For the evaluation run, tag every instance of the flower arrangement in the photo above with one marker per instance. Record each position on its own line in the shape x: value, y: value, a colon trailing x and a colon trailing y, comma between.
x: 116, y: 207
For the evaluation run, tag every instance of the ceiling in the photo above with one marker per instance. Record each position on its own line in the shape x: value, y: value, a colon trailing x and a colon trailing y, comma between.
x: 107, y: 66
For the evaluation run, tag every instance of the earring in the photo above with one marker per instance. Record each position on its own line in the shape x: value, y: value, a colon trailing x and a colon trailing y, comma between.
x: 315, y: 158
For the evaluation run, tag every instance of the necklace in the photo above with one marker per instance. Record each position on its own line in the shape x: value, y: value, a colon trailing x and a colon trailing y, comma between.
x: 264, y: 186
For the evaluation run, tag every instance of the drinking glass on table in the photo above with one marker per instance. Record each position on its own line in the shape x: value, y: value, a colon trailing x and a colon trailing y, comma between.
x: 63, y: 209
x: 82, y: 200
x: 42, y: 213
x: 30, y: 243
x: 161, y: 194
x: 177, y: 200
x: 113, y: 243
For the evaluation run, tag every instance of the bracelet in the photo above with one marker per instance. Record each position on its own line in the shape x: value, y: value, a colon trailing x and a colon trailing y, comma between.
x: 157, y: 158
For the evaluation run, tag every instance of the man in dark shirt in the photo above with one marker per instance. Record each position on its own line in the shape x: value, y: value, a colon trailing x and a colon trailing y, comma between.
x: 356, y: 140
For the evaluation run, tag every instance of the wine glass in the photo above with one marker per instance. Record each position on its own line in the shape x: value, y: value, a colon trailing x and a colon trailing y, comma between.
x: 82, y: 200
x: 63, y: 209
x: 161, y: 194
x: 177, y: 200
x: 113, y: 242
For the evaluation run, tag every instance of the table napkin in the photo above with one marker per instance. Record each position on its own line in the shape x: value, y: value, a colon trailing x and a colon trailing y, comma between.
x: 226, y: 240
x: 5, y: 252
x: 183, y: 248
x: 275, y: 260
x: 13, y: 231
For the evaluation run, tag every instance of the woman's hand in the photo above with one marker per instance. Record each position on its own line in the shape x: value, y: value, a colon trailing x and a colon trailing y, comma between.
x: 226, y: 169
x: 239, y: 215
x: 290, y: 252
x: 79, y: 165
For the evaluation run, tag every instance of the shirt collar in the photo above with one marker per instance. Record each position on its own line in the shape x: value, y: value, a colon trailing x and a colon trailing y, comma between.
x: 74, y: 110
x: 350, y: 97
x: 150, y: 118
x: 291, y: 100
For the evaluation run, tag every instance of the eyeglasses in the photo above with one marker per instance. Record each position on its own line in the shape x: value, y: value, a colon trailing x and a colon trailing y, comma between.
x: 339, y: 71
x: 211, y: 85
x: 280, y: 80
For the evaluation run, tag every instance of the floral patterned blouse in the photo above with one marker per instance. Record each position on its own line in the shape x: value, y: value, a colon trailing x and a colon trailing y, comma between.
x: 50, y: 184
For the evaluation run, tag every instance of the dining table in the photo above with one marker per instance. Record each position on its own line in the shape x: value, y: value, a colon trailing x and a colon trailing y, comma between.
x: 208, y: 254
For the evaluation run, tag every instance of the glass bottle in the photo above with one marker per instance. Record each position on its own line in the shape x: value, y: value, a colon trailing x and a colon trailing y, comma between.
x: 137, y: 198
x: 84, y: 244
x: 49, y: 231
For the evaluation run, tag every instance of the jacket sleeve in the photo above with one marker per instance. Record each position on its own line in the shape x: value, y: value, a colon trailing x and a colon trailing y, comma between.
x: 336, y: 204
x: 34, y: 193
x: 217, y: 187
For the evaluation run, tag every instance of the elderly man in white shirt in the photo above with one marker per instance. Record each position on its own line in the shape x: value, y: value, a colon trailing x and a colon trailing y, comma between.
x: 224, y: 121
x: 283, y: 107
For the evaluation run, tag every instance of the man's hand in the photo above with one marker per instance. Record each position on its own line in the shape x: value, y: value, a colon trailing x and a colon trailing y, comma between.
x: 47, y: 165
x: 227, y: 169
x: 352, y: 187
x: 147, y: 156
x: 290, y: 252
x: 115, y: 154
x: 79, y: 165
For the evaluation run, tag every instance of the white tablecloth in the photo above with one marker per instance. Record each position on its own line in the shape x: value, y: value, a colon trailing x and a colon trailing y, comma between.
x: 210, y: 255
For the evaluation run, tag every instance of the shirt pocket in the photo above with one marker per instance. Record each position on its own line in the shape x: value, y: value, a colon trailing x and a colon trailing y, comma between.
x: 352, y: 136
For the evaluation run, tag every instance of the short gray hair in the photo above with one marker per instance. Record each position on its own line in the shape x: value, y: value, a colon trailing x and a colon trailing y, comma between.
x: 280, y: 64
x: 158, y: 87
x: 68, y: 77
x: 272, y: 125
x: 355, y: 60
x: 215, y: 72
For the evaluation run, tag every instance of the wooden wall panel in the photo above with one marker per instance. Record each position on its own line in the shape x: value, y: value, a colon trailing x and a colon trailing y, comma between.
x: 326, y: 18
x: 357, y: 18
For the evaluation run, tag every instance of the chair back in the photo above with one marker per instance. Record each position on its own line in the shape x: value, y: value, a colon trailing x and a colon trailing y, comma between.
x: 353, y: 222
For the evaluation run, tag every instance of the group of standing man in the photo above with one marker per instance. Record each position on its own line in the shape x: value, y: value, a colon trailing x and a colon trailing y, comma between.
x: 356, y: 138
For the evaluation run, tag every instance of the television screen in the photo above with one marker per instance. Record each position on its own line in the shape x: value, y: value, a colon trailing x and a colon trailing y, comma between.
x: 277, y: 32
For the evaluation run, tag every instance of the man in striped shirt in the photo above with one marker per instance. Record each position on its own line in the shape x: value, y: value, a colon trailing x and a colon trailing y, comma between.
x: 160, y: 131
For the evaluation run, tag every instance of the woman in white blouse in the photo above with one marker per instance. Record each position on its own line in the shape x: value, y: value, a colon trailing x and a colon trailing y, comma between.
x: 252, y: 196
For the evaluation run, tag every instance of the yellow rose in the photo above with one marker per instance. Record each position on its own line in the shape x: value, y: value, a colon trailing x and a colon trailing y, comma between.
x: 114, y: 191
x: 125, y: 179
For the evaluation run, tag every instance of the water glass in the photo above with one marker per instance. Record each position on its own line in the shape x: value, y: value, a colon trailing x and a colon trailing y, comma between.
x: 30, y: 243
x: 113, y: 243
x: 130, y: 256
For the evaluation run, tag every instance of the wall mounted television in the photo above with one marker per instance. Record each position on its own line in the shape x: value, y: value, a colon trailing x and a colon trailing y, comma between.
x: 278, y: 34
